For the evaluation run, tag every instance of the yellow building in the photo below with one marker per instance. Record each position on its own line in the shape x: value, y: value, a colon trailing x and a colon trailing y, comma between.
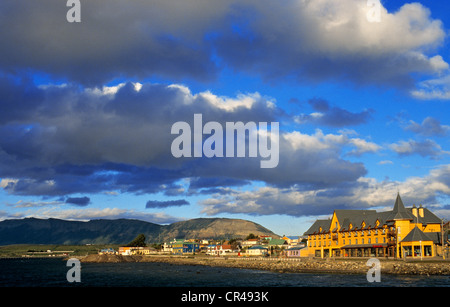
x: 402, y: 232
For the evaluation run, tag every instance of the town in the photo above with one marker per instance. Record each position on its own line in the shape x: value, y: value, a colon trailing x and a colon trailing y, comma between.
x: 287, y: 246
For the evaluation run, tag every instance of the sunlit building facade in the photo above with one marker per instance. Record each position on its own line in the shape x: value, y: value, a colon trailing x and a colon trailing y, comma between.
x: 401, y: 232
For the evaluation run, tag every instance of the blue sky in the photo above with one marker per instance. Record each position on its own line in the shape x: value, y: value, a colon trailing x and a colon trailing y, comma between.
x: 86, y: 108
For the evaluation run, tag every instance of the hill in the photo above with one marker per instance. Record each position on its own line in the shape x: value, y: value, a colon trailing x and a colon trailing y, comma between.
x: 121, y: 231
x: 220, y: 228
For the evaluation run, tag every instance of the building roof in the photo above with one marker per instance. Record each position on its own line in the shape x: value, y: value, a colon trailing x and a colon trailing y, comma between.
x: 296, y: 248
x: 428, y: 216
x: 319, y: 224
x: 356, y: 217
x: 416, y: 235
x: 399, y: 212
x: 258, y: 247
x: 277, y: 242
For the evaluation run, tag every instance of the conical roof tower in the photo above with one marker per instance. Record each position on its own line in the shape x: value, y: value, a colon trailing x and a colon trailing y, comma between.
x: 399, y: 212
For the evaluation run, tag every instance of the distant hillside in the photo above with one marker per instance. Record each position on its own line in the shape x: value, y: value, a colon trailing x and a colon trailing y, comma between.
x: 221, y: 228
x: 121, y: 231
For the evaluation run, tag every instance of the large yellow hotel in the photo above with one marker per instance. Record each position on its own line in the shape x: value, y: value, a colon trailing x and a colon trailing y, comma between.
x: 402, y: 232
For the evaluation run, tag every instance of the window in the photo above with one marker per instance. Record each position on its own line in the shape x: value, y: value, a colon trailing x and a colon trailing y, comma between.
x: 427, y: 250
x: 417, y: 251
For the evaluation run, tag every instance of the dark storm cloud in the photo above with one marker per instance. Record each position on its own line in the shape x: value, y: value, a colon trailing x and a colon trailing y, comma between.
x: 114, y: 39
x: 78, y: 201
x: 333, y: 116
x: 166, y: 204
x: 196, y: 38
x: 92, y: 140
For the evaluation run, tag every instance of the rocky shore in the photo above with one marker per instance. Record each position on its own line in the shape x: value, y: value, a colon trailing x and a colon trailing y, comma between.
x: 343, y: 266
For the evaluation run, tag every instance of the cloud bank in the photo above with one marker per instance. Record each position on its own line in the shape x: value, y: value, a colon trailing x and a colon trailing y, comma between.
x: 309, y: 41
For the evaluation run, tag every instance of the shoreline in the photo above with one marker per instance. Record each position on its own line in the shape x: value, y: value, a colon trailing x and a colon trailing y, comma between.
x: 283, y: 265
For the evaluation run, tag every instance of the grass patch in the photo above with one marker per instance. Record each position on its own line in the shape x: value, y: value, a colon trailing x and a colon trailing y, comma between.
x: 19, y: 250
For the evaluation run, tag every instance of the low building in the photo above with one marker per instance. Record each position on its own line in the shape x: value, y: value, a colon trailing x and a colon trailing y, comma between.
x: 166, y: 247
x: 294, y: 252
x: 291, y: 240
x: 278, y: 243
x: 218, y: 249
x: 177, y: 247
x: 127, y: 250
x: 181, y: 247
x: 257, y: 250
x: 107, y: 251
x: 250, y: 242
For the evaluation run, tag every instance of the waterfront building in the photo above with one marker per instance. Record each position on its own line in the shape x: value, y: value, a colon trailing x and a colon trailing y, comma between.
x: 294, y: 252
x: 177, y: 247
x: 181, y: 247
x: 401, y: 232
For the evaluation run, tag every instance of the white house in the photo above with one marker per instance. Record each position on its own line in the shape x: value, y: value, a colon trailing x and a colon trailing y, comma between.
x: 257, y: 250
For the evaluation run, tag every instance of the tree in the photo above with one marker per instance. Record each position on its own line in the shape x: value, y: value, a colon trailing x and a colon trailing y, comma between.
x: 139, y: 241
x: 251, y: 236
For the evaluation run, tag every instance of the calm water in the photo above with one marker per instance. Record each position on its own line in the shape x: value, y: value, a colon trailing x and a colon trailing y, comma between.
x: 52, y: 273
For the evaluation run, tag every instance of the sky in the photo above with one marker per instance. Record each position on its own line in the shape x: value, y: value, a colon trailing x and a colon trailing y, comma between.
x: 360, y: 90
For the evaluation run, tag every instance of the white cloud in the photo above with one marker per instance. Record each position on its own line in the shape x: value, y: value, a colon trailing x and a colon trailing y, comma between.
x: 385, y: 162
x: 426, y: 148
x: 432, y: 89
x: 363, y: 193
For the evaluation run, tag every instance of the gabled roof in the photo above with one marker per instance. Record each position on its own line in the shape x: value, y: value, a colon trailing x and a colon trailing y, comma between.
x: 417, y: 235
x: 258, y: 247
x: 314, y: 229
x: 356, y: 217
x: 277, y: 242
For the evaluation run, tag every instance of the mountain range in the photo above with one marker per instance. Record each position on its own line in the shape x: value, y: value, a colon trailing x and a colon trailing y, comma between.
x: 122, y: 231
